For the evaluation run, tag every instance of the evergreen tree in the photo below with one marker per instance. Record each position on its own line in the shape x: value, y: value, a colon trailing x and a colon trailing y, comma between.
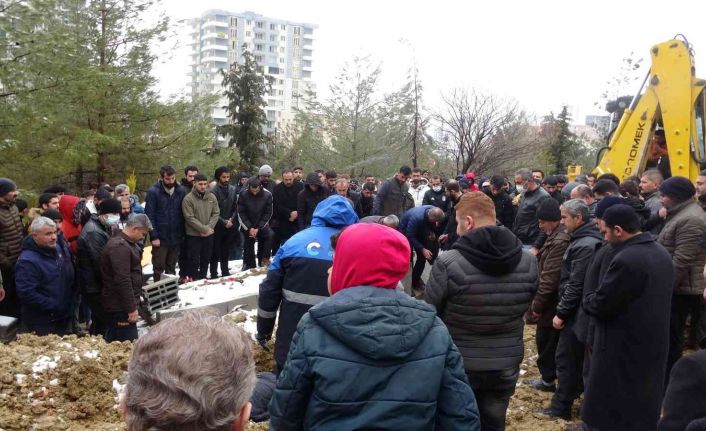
x: 78, y: 104
x: 562, y: 144
x: 245, y: 88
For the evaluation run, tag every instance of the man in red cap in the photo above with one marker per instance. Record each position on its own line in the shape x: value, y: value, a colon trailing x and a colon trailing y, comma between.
x: 357, y: 358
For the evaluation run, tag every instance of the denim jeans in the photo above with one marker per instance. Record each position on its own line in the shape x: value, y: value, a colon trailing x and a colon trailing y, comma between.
x: 493, y: 390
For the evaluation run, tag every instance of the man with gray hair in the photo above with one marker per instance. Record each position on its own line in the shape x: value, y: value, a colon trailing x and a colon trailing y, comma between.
x: 202, y: 385
x: 123, y: 191
x: 390, y: 221
x: 584, y: 193
x: 342, y: 187
x: 44, y: 278
x: 585, y: 241
x: 121, y: 269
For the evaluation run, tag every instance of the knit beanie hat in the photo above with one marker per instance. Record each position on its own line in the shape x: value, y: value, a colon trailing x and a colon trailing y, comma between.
x: 549, y: 210
x: 381, y: 266
x: 678, y: 188
x: 265, y: 170
x: 7, y: 186
x: 53, y: 214
x: 110, y: 206
x: 606, y: 203
x: 623, y: 216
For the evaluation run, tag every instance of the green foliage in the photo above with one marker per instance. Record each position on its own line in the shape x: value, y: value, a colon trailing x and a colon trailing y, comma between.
x: 360, y: 129
x: 77, y: 102
x: 561, y: 141
x: 563, y: 147
x: 245, y: 88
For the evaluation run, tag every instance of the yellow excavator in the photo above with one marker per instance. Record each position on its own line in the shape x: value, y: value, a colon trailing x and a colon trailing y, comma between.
x: 668, y: 107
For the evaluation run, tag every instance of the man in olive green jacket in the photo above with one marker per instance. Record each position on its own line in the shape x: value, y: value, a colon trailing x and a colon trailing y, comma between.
x: 200, y: 209
x: 684, y: 237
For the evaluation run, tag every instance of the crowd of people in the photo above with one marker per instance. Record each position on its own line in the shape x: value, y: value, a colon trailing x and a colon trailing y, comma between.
x: 611, y: 273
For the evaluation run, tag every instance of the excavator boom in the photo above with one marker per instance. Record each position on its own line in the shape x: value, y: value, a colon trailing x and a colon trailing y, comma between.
x: 673, y: 100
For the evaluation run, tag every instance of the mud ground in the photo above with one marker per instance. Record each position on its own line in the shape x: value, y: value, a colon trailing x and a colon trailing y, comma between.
x: 53, y: 383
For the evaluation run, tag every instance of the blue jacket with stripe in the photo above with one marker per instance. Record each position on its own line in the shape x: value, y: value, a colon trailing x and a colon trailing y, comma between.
x: 297, y: 278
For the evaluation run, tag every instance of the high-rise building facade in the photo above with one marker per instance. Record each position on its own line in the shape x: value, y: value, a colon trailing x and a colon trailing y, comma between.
x: 283, y: 48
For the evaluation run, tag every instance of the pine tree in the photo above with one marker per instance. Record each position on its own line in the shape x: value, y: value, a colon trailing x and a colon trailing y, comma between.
x: 562, y: 141
x: 77, y: 97
x: 245, y: 88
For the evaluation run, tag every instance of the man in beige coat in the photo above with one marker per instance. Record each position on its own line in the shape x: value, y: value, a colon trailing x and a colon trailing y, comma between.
x: 200, y: 209
x: 684, y: 237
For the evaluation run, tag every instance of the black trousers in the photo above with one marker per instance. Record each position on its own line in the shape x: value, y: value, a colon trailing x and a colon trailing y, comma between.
x: 183, y: 260
x: 569, y: 369
x: 199, y: 250
x: 58, y: 327
x: 281, y: 235
x: 421, y: 262
x: 99, y: 318
x: 222, y: 242
x: 10, y: 305
x: 547, y: 339
x: 264, y: 247
x: 493, y: 390
x: 682, y: 307
x: 164, y: 260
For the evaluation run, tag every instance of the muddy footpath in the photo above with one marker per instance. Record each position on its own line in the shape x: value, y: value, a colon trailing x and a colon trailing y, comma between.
x: 69, y: 383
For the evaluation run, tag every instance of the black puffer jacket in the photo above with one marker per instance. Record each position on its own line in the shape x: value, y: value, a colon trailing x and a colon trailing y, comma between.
x: 481, y: 289
x: 91, y: 242
x: 585, y: 241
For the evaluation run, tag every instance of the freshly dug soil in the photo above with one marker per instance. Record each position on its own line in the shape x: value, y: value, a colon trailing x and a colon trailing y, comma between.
x: 50, y: 383
x: 521, y: 414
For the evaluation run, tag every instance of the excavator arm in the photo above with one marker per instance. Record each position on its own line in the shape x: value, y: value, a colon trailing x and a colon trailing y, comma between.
x: 673, y: 99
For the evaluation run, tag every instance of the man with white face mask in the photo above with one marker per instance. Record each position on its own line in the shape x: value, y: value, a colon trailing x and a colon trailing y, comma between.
x: 436, y: 195
x: 91, y: 242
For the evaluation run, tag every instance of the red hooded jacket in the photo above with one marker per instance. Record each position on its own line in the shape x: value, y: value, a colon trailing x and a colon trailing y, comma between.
x: 67, y: 203
x: 369, y: 254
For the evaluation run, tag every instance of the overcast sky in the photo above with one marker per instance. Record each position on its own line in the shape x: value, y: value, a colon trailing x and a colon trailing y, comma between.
x: 542, y: 53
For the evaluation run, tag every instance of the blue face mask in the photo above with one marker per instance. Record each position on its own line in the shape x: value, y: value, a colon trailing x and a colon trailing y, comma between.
x: 112, y: 219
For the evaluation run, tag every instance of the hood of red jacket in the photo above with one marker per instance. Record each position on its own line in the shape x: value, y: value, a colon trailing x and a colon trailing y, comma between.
x: 67, y: 203
x: 369, y: 255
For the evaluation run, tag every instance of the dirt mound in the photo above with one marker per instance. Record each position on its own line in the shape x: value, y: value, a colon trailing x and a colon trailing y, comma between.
x: 521, y: 414
x: 53, y: 383
x: 50, y: 383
